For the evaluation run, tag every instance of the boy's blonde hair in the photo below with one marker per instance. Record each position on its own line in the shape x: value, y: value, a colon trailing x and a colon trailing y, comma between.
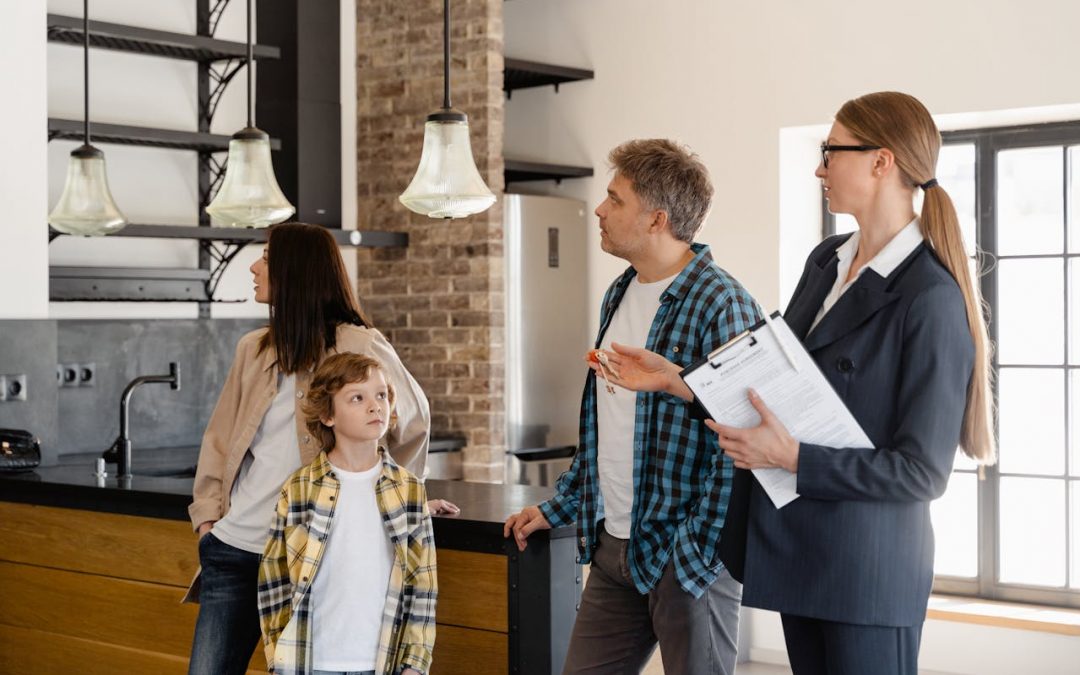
x: 330, y: 377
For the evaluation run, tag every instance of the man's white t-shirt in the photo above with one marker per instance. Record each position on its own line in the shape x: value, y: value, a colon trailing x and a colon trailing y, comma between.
x: 615, y: 413
x: 349, y: 590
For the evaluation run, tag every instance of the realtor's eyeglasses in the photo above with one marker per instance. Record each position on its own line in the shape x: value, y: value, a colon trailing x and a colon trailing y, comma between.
x: 826, y: 149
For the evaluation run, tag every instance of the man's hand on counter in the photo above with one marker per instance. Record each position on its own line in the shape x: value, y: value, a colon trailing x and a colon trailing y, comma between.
x: 523, y: 524
x: 441, y: 507
x: 205, y: 527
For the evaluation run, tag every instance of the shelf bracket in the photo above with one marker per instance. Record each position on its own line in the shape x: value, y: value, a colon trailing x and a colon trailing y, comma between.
x: 214, y: 15
x: 221, y: 73
x: 214, y: 166
x: 220, y: 253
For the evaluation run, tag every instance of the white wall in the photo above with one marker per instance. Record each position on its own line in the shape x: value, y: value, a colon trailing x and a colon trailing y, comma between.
x: 23, y: 241
x: 749, y: 86
x: 150, y: 185
x: 726, y: 77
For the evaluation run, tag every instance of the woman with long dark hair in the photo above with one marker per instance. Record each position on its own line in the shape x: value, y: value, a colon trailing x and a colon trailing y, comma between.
x: 255, y: 439
x: 891, y: 316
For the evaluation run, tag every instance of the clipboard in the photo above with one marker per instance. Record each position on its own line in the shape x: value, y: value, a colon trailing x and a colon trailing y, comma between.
x: 771, y: 359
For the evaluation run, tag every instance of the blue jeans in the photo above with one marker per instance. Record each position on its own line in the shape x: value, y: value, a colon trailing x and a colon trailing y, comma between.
x: 228, y: 627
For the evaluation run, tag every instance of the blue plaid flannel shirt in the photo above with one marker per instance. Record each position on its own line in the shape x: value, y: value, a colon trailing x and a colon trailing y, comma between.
x: 681, y: 480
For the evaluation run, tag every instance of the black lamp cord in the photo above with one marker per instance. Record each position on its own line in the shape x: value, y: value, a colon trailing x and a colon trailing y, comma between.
x: 446, y: 54
x: 250, y: 65
x: 86, y: 72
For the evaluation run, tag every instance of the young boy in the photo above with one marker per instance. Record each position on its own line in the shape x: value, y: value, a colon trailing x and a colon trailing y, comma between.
x: 348, y: 581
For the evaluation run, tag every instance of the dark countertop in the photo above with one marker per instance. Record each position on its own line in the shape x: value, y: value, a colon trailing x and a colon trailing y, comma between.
x: 484, y: 506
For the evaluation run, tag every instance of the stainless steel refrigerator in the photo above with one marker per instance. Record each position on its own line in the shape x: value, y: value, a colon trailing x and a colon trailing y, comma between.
x: 547, y: 332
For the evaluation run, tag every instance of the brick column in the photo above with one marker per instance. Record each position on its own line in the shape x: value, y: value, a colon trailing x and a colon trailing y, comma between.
x: 439, y: 301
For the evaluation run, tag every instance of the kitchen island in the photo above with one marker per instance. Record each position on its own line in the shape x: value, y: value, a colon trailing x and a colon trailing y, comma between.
x: 92, y: 572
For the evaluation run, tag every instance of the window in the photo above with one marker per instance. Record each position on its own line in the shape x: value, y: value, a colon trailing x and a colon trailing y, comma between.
x: 1016, y: 534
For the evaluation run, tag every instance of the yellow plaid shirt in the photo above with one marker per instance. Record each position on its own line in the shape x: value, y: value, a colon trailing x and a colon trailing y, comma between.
x: 303, y: 521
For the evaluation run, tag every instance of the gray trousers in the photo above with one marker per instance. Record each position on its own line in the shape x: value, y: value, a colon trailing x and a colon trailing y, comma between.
x: 617, y: 628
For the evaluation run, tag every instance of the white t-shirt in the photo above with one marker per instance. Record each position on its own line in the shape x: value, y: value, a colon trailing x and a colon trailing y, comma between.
x: 349, y: 590
x: 273, y: 456
x: 615, y: 413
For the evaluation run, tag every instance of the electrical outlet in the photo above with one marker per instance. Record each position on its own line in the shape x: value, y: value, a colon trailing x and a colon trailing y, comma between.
x: 87, y: 374
x: 69, y: 374
x: 15, y: 387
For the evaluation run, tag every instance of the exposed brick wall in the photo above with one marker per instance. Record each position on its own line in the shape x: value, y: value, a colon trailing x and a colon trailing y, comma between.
x: 439, y: 301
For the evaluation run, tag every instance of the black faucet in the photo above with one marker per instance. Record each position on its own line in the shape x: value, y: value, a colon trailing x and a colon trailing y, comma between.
x: 120, y: 451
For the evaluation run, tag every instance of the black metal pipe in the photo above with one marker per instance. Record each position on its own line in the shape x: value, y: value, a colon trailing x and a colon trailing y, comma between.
x: 446, y: 54
x: 250, y: 66
x: 86, y: 71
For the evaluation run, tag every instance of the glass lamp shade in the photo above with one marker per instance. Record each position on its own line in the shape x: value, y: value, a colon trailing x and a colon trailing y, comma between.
x: 447, y: 184
x: 249, y: 194
x: 86, y: 206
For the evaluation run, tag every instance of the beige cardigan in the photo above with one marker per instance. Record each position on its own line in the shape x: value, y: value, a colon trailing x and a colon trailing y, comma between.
x: 246, y: 396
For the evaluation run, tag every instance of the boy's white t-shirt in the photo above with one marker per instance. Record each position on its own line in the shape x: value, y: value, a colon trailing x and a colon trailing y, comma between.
x: 349, y: 590
x: 616, y: 413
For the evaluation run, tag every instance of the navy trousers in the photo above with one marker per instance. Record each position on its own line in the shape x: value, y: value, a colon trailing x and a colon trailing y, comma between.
x: 817, y: 647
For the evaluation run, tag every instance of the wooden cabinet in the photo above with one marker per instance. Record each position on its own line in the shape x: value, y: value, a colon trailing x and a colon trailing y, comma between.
x: 90, y: 592
x: 95, y: 592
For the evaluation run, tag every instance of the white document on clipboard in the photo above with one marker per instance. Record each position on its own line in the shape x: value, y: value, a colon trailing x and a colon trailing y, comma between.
x: 772, y: 361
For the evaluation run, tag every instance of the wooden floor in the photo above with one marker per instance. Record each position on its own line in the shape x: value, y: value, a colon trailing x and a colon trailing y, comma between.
x: 655, y: 668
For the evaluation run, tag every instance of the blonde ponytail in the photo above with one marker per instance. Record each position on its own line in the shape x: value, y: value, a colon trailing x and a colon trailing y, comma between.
x: 902, y: 124
x: 941, y: 228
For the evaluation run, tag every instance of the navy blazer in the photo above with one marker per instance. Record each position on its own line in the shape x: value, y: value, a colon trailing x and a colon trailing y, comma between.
x: 857, y: 546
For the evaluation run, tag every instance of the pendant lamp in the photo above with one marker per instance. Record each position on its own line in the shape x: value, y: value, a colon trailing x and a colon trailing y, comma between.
x: 249, y: 194
x: 447, y: 183
x: 86, y: 206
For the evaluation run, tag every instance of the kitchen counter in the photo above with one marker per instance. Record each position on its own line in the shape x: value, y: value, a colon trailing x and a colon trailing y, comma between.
x: 82, y: 539
x: 72, y: 484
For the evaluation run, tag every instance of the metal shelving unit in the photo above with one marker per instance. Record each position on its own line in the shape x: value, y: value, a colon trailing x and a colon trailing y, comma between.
x: 517, y: 171
x: 152, y: 284
x: 129, y: 284
x: 122, y: 134
x: 522, y: 74
x: 103, y: 35
x: 372, y: 239
x: 218, y: 62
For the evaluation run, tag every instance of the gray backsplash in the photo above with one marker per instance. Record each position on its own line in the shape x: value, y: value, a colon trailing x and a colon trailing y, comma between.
x: 86, y: 419
x: 29, y: 348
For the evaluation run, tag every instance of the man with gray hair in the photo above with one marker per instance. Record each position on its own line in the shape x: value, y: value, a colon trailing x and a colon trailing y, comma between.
x: 649, y: 486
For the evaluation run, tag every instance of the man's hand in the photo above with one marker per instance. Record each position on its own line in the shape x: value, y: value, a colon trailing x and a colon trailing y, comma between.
x: 205, y: 527
x: 523, y: 524
x: 410, y: 671
x: 639, y: 369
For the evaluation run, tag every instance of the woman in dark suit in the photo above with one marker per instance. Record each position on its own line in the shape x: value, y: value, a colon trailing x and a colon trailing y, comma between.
x: 893, y: 319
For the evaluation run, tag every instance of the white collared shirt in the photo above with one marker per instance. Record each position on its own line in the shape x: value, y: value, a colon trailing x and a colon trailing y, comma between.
x: 888, y: 259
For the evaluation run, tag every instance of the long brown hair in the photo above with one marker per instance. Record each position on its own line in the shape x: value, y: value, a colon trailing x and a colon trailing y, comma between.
x: 902, y: 124
x: 310, y: 295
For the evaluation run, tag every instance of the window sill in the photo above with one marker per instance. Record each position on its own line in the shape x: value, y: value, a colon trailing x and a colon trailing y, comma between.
x: 1004, y: 614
